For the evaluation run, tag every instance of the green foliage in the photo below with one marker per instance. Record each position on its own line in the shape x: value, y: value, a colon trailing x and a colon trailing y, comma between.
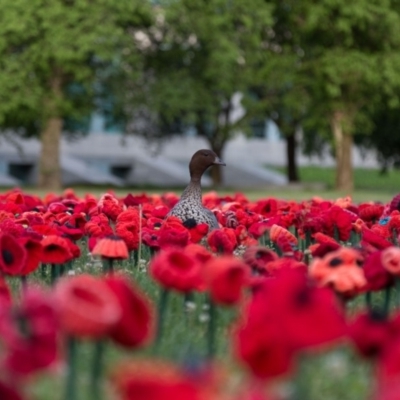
x: 200, y: 54
x: 68, y: 39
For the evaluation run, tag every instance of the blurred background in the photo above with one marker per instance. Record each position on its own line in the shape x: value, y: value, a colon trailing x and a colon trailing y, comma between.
x: 122, y: 93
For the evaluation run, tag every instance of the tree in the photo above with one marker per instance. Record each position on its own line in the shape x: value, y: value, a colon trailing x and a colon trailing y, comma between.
x: 46, y: 49
x: 352, y: 52
x: 200, y: 58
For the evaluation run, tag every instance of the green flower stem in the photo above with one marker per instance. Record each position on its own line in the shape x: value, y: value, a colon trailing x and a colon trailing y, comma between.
x: 70, y: 383
x: 397, y: 289
x: 162, y: 306
x: 108, y: 265
x: 96, y: 369
x: 54, y: 271
x: 43, y: 269
x: 386, y: 302
x: 212, y: 324
x: 336, y: 233
x: 368, y: 300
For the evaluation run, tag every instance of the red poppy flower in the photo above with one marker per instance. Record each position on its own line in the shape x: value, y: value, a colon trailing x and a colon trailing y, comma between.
x: 258, y: 229
x: 98, y: 226
x: 390, y: 258
x: 277, y: 233
x: 34, y: 251
x: 370, y: 213
x: 131, y: 215
x: 150, y: 238
x: 129, y: 232
x: 286, y: 314
x: 87, y: 307
x: 174, y: 269
x: 110, y: 206
x: 257, y: 258
x: 199, y: 252
x: 196, y: 231
x: 56, y: 250
x: 71, y: 232
x: 341, y: 270
x: 154, y: 380
x: 135, y: 326
x: 112, y: 247
x: 8, y: 392
x: 225, y: 277
x: 222, y: 240
x: 12, y: 255
x: 395, y: 203
x: 10, y: 227
x: 377, y: 276
x: 29, y: 334
x: 370, y: 238
x: 173, y: 233
x: 370, y: 332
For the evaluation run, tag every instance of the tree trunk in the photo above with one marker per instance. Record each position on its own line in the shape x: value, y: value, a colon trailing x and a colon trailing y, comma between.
x: 49, y: 162
x: 343, y: 152
x: 291, y: 147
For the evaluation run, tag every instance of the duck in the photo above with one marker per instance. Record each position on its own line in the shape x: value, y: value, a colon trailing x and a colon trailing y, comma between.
x: 190, y: 209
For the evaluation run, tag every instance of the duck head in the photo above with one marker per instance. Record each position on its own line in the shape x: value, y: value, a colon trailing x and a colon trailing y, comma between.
x: 200, y: 161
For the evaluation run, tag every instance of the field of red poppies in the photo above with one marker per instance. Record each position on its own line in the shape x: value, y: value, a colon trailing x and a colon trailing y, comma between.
x: 108, y: 298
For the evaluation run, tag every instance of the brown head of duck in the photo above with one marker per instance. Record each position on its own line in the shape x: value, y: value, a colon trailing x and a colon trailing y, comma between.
x: 200, y: 161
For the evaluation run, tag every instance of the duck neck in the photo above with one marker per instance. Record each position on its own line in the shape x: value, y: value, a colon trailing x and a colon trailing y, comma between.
x: 193, y: 191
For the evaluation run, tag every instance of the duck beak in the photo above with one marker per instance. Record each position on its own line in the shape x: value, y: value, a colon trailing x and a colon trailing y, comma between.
x: 218, y: 161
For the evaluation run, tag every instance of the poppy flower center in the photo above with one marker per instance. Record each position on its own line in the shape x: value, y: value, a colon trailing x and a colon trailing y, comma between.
x: 190, y: 223
x: 302, y: 297
x: 8, y: 257
x: 335, y: 262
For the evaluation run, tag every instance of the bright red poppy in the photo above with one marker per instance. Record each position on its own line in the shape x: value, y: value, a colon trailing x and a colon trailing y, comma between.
x: 154, y: 380
x: 34, y: 252
x: 12, y: 255
x: 87, y: 307
x: 56, y: 250
x: 222, y: 240
x: 175, y: 269
x: 135, y: 327
x: 226, y: 277
x: 29, y: 334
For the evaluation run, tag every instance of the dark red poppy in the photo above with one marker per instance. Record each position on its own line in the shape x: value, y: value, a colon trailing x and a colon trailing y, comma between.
x: 112, y: 247
x: 258, y: 229
x: 174, y: 269
x: 150, y: 238
x: 135, y: 327
x: 154, y: 380
x: 131, y: 215
x: 370, y: 333
x: 222, y: 240
x: 196, y: 231
x: 8, y: 392
x: 370, y: 212
x: 320, y: 250
x: 377, y: 276
x: 371, y: 238
x: 34, y: 252
x: 56, y: 250
x: 12, y: 255
x: 395, y: 203
x: 257, y: 258
x: 86, y: 306
x: 29, y: 333
x: 71, y: 232
x: 226, y: 277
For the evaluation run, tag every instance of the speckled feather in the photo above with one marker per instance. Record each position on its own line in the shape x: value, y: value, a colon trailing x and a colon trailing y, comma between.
x: 190, y: 205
